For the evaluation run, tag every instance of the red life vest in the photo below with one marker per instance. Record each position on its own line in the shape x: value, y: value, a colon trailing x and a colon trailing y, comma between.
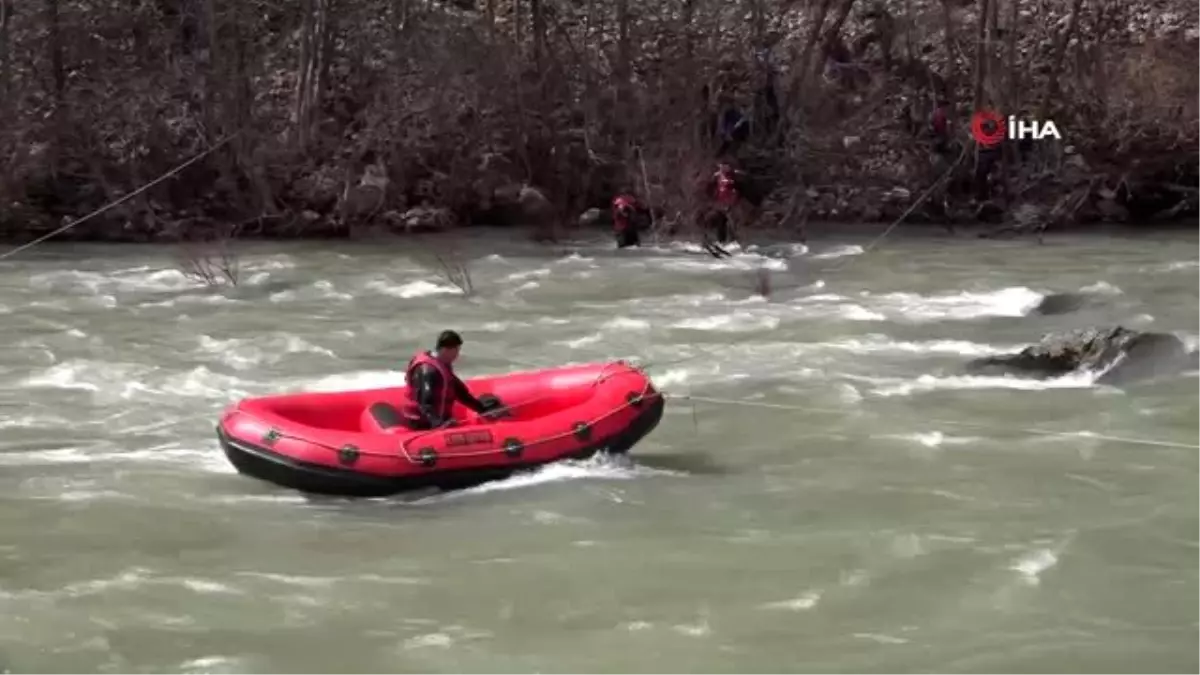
x: 445, y: 402
x: 727, y: 193
x: 939, y: 122
x: 622, y: 207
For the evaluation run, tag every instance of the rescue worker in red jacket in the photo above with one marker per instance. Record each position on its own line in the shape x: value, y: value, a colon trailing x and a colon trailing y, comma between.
x: 433, y: 387
x: 723, y: 190
x: 626, y: 212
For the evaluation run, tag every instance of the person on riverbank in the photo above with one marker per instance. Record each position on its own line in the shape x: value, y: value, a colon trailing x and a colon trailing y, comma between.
x: 628, y: 215
x: 433, y: 387
x: 723, y: 191
x: 939, y: 127
x: 733, y: 127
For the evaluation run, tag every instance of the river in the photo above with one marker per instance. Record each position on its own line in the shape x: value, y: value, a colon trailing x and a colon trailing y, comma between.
x: 890, y: 513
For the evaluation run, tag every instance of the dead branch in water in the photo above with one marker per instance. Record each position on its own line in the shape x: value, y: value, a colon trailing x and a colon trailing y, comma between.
x: 456, y: 272
x: 210, y: 261
x: 762, y: 282
x: 451, y: 266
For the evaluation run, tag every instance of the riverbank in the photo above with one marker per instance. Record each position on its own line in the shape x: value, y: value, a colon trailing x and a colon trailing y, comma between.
x: 846, y: 111
x: 447, y: 252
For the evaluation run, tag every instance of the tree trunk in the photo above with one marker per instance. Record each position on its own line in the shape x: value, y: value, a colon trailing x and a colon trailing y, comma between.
x: 624, y: 57
x: 5, y: 60
x: 802, y: 69
x: 58, y: 72
x: 328, y: 33
x: 399, y: 10
x: 1013, y: 102
x: 1060, y: 51
x: 909, y: 52
x: 758, y: 25
x: 843, y: 13
x: 538, y: 23
x: 948, y: 33
x: 981, y: 45
x: 516, y: 23
x: 202, y: 42
x: 55, y: 52
x: 685, y: 28
x: 312, y: 68
x: 831, y: 36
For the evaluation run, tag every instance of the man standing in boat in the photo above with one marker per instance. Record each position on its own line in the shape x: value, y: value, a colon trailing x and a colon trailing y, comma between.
x: 433, y: 387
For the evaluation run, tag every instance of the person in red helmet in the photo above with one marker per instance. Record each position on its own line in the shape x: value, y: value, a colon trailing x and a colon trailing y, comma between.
x: 627, y: 215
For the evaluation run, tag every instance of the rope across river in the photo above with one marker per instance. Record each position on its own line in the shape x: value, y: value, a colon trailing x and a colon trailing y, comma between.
x: 117, y: 202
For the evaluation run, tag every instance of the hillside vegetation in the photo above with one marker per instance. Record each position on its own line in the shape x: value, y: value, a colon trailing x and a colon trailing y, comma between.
x: 334, y: 117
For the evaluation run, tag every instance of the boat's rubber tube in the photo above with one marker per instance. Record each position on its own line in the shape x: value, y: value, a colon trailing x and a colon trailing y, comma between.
x: 353, y: 443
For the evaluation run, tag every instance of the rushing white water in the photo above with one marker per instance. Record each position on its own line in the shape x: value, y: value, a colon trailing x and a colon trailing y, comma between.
x: 839, y: 487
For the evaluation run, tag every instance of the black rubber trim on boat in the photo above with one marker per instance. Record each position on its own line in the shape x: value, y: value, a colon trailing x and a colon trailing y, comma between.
x: 348, y: 455
x: 582, y: 430
x: 427, y: 457
x: 268, y: 465
x: 513, y: 447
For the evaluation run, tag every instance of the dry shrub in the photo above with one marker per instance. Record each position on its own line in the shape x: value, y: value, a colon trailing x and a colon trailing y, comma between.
x: 1138, y: 96
x: 211, y: 263
x: 671, y: 177
x: 450, y: 264
x: 206, y: 254
x: 456, y: 271
x: 1157, y: 81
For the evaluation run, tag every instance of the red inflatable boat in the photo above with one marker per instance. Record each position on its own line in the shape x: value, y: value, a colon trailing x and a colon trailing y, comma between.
x: 347, y: 443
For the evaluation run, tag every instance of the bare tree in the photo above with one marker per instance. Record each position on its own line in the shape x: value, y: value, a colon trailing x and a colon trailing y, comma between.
x: 5, y: 52
x: 456, y: 100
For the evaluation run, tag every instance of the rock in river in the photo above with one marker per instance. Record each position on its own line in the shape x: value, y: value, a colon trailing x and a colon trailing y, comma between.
x: 1119, y: 354
x: 1059, y: 303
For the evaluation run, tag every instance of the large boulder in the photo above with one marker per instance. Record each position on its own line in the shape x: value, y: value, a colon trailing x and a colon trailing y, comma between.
x: 591, y: 218
x: 1059, y: 303
x: 1121, y: 355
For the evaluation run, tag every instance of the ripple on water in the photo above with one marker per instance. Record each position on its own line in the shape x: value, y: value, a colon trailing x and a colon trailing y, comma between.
x: 805, y: 484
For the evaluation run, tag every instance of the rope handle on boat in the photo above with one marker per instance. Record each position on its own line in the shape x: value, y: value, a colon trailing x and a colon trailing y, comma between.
x: 602, y: 376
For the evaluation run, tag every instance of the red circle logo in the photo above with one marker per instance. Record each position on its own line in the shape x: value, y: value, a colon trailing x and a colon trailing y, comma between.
x: 987, y: 126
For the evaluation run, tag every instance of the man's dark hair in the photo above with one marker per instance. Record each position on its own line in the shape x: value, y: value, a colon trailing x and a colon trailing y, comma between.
x: 449, y: 338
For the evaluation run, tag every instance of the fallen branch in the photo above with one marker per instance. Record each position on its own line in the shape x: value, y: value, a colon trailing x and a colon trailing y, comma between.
x: 456, y: 272
x: 451, y: 267
x: 212, y: 264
